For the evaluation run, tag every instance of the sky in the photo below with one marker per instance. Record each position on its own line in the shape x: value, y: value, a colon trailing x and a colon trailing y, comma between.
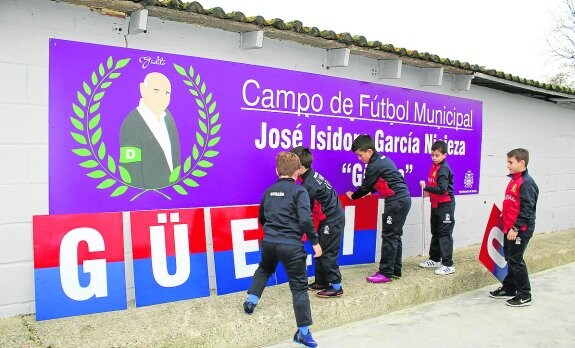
x: 506, y: 35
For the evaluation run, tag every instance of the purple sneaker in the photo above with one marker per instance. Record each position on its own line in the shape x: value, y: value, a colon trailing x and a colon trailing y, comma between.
x: 378, y: 278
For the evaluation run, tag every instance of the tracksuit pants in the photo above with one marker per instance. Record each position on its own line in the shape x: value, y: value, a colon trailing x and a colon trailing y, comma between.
x: 394, y: 216
x: 442, y: 222
x: 517, y: 279
x: 326, y: 266
x: 293, y: 258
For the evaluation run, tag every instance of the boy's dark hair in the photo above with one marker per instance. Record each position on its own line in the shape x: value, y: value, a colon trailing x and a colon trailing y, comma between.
x: 439, y: 145
x: 287, y: 163
x: 304, y: 155
x: 363, y: 143
x: 520, y: 155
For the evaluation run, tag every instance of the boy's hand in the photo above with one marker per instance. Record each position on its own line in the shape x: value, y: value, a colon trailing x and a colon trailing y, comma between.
x: 511, y: 235
x: 317, y: 250
x: 348, y: 194
x: 422, y: 184
x: 425, y: 194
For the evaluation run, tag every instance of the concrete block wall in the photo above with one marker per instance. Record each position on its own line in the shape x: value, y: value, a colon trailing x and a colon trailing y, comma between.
x: 509, y: 121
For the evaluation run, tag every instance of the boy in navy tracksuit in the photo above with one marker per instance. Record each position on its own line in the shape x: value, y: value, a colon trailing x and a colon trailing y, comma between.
x: 285, y: 215
x: 326, y: 208
x: 439, y: 187
x: 519, y: 207
x: 382, y: 175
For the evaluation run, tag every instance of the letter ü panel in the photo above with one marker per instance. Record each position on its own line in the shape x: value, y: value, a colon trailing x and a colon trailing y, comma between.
x: 170, y: 261
x: 78, y: 265
x: 236, y: 235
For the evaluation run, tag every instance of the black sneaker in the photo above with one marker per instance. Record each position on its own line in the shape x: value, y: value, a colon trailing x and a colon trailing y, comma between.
x: 501, y: 293
x: 306, y: 340
x: 396, y: 276
x: 249, y: 307
x: 330, y: 292
x: 317, y: 287
x: 518, y: 302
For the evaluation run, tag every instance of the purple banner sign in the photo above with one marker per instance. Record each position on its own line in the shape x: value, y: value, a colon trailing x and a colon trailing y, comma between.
x: 137, y: 130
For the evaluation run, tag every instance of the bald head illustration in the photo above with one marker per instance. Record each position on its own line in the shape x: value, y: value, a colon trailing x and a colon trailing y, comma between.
x: 156, y: 91
x: 149, y: 140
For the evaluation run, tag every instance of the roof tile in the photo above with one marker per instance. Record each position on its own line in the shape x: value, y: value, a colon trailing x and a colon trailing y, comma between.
x: 296, y: 26
x: 259, y: 20
x: 218, y: 12
x: 195, y: 7
x: 328, y: 34
x: 345, y: 38
x: 360, y: 40
x: 279, y: 24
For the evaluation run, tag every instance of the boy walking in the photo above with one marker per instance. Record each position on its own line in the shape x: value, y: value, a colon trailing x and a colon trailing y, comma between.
x: 327, y: 209
x: 382, y: 175
x: 439, y: 187
x: 285, y: 215
x: 519, y: 208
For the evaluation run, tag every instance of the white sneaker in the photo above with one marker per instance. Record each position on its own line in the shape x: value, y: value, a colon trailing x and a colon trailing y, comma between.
x: 430, y: 264
x: 445, y: 270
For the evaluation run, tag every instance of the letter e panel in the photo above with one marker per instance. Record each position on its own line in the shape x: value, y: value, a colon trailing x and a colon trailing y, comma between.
x: 78, y: 265
x: 236, y: 234
x: 170, y: 260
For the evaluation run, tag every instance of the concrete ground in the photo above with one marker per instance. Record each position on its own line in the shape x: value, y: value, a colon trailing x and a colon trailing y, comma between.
x: 219, y: 321
x: 472, y: 319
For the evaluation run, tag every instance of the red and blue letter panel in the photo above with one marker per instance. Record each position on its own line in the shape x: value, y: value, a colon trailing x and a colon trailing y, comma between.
x: 358, y: 241
x: 492, y: 252
x: 170, y: 261
x: 360, y: 233
x: 78, y: 264
x: 236, y: 234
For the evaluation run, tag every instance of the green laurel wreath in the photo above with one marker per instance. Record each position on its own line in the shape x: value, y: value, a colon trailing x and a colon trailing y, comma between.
x: 92, y: 149
x: 206, y: 138
x: 87, y: 121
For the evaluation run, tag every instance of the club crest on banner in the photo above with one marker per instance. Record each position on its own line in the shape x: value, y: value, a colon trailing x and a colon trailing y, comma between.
x: 468, y: 179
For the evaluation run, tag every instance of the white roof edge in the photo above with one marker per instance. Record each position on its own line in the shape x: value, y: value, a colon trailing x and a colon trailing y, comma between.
x: 524, y: 86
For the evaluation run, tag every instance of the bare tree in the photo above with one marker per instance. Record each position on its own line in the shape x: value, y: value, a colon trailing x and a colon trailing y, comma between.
x: 562, y: 78
x: 562, y: 44
x: 562, y: 41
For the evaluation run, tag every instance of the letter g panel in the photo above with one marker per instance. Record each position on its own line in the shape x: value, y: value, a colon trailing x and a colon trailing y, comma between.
x: 78, y: 265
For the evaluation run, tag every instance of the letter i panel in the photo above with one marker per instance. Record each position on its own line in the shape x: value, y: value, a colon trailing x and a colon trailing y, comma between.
x: 492, y: 252
x: 78, y: 264
x: 360, y: 233
x: 236, y: 234
x: 170, y: 261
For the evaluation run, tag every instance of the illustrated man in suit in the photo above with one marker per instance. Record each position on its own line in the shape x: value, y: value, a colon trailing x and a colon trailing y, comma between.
x: 149, y: 141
